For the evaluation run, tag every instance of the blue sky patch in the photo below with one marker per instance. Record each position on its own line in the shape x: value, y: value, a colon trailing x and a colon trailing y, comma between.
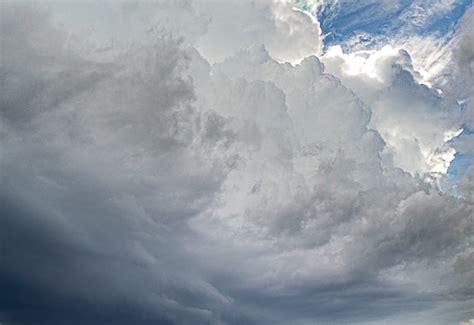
x: 377, y: 20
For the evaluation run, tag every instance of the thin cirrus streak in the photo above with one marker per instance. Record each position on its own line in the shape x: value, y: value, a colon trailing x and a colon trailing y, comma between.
x: 194, y: 162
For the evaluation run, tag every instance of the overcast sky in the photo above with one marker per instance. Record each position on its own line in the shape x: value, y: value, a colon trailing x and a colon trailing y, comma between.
x: 237, y: 162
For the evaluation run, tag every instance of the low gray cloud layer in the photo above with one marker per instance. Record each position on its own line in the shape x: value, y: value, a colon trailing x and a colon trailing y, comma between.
x: 153, y: 174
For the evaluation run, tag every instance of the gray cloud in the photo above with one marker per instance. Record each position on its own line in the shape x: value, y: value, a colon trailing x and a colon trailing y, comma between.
x: 143, y: 184
x: 464, y: 59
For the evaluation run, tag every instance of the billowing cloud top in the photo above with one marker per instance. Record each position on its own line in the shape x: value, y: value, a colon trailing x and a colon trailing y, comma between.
x: 192, y: 162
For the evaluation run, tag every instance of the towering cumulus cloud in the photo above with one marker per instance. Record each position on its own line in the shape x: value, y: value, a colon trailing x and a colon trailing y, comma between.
x: 205, y: 162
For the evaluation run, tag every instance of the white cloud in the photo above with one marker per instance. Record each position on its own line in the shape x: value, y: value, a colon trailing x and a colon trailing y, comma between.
x: 412, y: 118
x: 289, y: 34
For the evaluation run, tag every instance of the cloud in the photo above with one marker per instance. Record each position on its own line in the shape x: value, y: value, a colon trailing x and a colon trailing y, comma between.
x: 209, y: 175
x: 464, y: 59
x: 289, y: 35
x: 413, y: 119
x: 87, y: 218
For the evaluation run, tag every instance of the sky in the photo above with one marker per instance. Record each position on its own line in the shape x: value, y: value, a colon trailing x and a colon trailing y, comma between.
x: 237, y: 162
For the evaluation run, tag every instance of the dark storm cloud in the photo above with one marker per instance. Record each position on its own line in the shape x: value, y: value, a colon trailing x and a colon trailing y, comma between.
x: 39, y: 258
x: 73, y: 229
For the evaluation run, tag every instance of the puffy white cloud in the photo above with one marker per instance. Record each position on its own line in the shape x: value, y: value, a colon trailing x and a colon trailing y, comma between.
x: 192, y: 176
x: 414, y: 120
x: 289, y: 34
